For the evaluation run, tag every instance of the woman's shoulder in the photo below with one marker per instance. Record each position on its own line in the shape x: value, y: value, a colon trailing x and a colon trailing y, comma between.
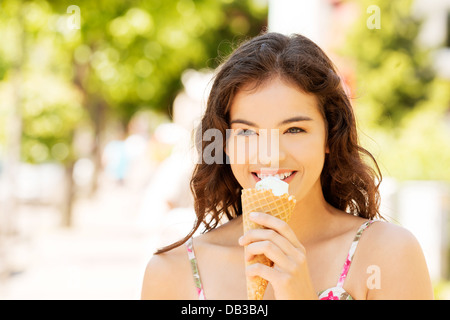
x: 168, y: 276
x: 394, y: 254
x: 387, y: 237
x: 387, y: 241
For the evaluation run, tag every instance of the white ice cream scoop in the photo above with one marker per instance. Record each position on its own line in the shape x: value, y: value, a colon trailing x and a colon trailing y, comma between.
x: 277, y: 186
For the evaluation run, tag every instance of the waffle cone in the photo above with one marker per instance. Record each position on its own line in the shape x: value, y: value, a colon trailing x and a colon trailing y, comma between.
x: 280, y: 207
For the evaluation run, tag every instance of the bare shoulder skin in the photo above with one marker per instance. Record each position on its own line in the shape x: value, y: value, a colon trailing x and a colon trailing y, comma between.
x: 168, y: 276
x: 394, y: 264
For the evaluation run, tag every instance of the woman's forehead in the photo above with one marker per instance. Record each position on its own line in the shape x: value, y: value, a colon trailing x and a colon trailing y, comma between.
x: 273, y: 99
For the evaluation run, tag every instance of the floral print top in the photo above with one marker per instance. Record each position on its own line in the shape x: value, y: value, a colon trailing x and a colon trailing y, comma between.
x: 334, y: 293
x: 196, y: 274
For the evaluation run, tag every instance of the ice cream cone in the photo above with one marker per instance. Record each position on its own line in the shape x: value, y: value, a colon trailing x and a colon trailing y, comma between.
x: 278, y: 206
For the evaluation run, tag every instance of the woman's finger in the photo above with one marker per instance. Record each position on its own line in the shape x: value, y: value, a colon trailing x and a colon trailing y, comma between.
x: 271, y: 251
x: 271, y: 222
x: 263, y: 271
x: 255, y: 235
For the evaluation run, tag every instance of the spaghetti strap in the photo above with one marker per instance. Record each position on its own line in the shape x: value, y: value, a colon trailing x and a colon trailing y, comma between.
x: 351, y: 253
x: 195, y: 272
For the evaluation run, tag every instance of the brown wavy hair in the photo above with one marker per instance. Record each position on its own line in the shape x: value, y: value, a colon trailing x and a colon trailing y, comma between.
x: 348, y: 182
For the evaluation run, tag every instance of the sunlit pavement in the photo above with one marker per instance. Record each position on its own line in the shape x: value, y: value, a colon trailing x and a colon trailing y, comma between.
x: 102, y: 257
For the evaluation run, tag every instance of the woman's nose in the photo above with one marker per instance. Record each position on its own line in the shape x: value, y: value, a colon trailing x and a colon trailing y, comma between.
x: 270, y: 152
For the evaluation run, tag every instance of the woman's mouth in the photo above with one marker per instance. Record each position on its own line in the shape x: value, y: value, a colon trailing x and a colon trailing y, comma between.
x: 285, y: 176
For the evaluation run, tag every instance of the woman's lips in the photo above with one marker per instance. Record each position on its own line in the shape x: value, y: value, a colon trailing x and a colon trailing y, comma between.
x: 287, y: 180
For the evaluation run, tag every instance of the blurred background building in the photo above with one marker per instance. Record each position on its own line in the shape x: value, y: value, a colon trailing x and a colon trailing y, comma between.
x: 98, y: 102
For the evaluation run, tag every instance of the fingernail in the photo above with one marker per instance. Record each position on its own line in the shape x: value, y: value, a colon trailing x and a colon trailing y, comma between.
x: 240, y: 239
x: 253, y: 214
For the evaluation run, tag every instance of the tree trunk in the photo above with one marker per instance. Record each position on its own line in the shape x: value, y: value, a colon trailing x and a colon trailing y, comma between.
x: 67, y: 205
x: 97, y: 116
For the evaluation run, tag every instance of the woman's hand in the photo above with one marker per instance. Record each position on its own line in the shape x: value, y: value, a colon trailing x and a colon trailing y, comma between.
x: 289, y: 277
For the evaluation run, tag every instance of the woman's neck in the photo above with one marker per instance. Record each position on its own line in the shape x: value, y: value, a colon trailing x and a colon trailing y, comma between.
x: 311, y: 215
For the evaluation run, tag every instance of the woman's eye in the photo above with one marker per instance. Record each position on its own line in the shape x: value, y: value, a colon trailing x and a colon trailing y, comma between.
x: 295, y: 130
x: 245, y: 132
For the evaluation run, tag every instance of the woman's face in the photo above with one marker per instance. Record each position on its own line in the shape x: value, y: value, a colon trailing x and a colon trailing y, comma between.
x: 277, y: 129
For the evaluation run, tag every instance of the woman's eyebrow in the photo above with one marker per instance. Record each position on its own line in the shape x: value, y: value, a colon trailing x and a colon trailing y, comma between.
x: 249, y: 123
x: 295, y: 119
x: 284, y: 122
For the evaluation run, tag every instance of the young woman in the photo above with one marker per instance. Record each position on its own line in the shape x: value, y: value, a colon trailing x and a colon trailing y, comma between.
x: 288, y: 84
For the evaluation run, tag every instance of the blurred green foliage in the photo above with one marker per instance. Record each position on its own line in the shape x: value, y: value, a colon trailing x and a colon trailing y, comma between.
x: 401, y: 103
x: 126, y: 56
x: 36, y: 82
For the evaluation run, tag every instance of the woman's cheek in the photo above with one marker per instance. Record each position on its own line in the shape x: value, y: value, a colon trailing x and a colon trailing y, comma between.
x: 242, y: 176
